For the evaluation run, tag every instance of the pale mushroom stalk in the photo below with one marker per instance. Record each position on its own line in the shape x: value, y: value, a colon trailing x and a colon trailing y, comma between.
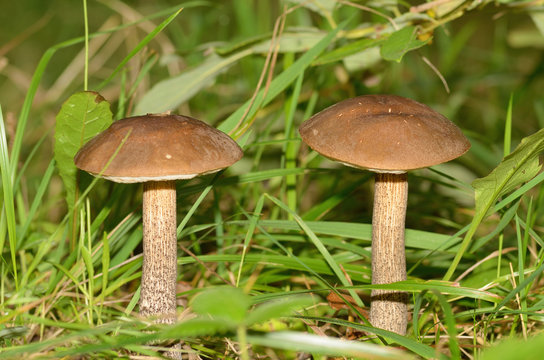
x: 388, y: 308
x: 159, y: 269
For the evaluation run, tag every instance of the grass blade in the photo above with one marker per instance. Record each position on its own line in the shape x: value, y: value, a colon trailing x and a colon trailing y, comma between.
x: 8, y: 210
x: 139, y: 47
x: 322, y: 249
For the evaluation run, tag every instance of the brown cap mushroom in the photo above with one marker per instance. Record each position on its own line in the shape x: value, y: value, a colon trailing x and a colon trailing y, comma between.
x: 384, y: 133
x: 389, y: 135
x: 157, y: 150
x: 158, y: 147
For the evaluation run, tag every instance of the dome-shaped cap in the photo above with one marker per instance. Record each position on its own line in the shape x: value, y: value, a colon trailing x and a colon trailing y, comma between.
x: 384, y: 133
x: 157, y: 147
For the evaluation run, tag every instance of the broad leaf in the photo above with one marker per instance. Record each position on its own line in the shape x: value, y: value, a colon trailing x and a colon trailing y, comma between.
x: 278, y: 308
x: 399, y: 43
x: 81, y: 117
x: 518, y: 167
x: 198, y: 327
x: 222, y: 303
x: 170, y: 93
x: 513, y: 348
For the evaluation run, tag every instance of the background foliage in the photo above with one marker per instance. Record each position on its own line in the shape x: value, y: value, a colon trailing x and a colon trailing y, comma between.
x: 283, y: 221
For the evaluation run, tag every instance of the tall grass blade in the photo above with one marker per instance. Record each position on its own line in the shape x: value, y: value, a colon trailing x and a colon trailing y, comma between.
x: 280, y: 83
x: 451, y: 327
x: 139, y: 47
x: 8, y: 208
x: 320, y: 247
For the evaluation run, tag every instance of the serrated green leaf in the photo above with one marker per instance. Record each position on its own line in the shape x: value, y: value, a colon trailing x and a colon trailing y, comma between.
x: 222, y: 303
x: 81, y: 117
x: 520, y: 166
x: 278, y: 308
x: 399, y: 43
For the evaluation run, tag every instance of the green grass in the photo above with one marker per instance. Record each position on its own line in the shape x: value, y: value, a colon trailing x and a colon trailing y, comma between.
x: 284, y: 225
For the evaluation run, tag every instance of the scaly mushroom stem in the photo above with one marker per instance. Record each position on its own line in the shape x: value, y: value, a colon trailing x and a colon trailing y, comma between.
x: 388, y: 309
x: 159, y: 271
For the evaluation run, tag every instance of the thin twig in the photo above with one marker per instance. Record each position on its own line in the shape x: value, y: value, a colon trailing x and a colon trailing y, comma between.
x: 427, y: 6
x: 371, y: 10
x: 488, y: 257
x: 437, y: 72
x: 269, y: 65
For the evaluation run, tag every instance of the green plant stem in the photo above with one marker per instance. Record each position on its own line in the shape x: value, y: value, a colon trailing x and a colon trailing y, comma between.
x: 86, y: 70
x: 242, y: 341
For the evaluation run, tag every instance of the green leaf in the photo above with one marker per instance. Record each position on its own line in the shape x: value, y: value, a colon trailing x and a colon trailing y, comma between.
x: 222, y: 303
x: 170, y: 93
x: 278, y: 308
x: 322, y: 7
x: 538, y: 19
x: 399, y: 43
x: 520, y: 166
x: 515, y: 348
x: 199, y: 327
x: 13, y: 332
x: 451, y: 326
x: 81, y: 117
x: 8, y: 211
x: 325, y: 345
x: 347, y: 50
x: 419, y: 348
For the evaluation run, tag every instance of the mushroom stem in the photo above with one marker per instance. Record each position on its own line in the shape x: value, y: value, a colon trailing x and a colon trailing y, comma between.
x: 159, y: 270
x: 388, y: 309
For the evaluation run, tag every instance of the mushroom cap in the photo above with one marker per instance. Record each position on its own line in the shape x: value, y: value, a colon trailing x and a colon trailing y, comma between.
x: 157, y: 148
x: 384, y: 133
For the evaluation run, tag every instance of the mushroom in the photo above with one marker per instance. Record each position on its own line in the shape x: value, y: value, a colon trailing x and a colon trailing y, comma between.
x: 388, y: 135
x: 157, y: 150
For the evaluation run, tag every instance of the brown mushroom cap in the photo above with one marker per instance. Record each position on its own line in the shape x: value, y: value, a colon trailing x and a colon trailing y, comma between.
x: 157, y: 147
x: 384, y: 133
